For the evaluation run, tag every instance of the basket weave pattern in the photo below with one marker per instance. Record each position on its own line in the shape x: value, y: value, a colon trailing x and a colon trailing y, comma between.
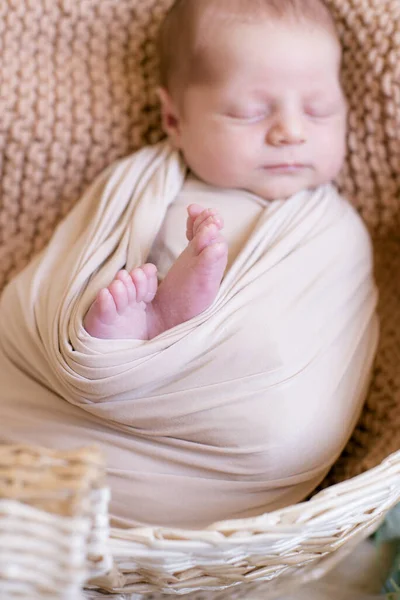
x: 78, y: 82
x: 297, y: 542
x: 53, y: 522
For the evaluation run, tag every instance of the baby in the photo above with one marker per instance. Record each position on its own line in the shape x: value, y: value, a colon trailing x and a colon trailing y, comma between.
x: 252, y: 98
x: 233, y: 366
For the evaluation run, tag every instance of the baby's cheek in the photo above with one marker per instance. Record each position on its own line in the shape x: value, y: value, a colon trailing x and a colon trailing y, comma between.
x: 335, y: 160
x: 227, y: 161
x: 212, y: 163
x: 330, y: 153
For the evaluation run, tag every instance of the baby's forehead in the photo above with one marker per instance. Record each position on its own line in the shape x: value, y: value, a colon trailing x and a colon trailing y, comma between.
x: 268, y: 52
x: 203, y: 37
x: 264, y: 33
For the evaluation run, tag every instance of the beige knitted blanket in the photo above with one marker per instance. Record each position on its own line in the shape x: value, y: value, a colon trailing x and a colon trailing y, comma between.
x: 238, y: 411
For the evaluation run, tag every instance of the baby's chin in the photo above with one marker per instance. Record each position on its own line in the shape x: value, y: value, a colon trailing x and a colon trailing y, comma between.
x: 283, y: 187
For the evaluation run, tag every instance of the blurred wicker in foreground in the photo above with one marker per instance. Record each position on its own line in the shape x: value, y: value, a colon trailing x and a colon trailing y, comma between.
x: 53, y: 522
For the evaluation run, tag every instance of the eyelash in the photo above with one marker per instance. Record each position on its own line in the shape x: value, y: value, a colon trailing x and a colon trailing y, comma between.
x: 242, y: 117
x: 315, y: 114
x: 257, y: 118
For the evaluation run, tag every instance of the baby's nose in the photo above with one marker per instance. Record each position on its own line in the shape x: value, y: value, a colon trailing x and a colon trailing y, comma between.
x: 286, y: 132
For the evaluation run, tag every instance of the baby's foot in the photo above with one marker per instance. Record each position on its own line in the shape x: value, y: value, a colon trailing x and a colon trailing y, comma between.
x: 193, y: 281
x: 120, y: 311
x: 132, y: 307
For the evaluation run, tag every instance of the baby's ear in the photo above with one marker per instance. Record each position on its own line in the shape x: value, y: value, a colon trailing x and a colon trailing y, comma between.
x: 169, y: 116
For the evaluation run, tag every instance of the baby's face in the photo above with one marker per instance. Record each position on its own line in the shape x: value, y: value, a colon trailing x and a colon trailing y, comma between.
x: 274, y: 122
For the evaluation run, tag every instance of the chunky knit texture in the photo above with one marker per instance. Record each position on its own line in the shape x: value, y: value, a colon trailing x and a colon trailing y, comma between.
x: 77, y: 81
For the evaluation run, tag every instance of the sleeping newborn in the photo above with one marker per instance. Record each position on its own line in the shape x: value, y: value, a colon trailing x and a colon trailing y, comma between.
x: 206, y: 313
x: 252, y: 98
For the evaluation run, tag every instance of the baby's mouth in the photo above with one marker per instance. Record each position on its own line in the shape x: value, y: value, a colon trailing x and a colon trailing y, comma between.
x: 285, y: 167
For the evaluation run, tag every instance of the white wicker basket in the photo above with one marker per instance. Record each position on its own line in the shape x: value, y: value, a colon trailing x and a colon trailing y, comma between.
x: 53, y: 522
x: 52, y: 551
x: 277, y: 550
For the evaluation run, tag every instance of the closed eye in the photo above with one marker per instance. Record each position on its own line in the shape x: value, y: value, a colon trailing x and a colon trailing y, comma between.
x: 320, y: 112
x: 250, y: 117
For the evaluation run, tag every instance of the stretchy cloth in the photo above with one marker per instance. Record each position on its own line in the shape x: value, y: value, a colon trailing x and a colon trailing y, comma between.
x: 240, y: 410
x: 238, y: 223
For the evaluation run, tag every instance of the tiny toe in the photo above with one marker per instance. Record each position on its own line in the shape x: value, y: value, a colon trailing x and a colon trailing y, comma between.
x: 123, y: 275
x: 150, y: 271
x: 206, y: 216
x: 206, y: 236
x: 194, y: 210
x: 189, y: 229
x: 218, y: 220
x: 120, y: 295
x: 105, y: 306
x: 140, y: 281
x: 211, y: 221
x: 126, y: 279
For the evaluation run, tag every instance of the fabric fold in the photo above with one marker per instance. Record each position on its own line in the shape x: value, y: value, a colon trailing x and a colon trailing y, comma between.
x: 256, y: 396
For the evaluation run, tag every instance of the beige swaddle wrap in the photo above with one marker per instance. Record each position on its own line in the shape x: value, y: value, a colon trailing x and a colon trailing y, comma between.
x: 240, y: 410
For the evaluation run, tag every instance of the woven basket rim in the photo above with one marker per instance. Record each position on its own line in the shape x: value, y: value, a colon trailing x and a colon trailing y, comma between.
x: 257, y: 550
x: 324, y: 500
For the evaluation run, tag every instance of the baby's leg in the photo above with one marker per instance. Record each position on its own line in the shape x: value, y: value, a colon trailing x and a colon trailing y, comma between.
x: 132, y: 307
